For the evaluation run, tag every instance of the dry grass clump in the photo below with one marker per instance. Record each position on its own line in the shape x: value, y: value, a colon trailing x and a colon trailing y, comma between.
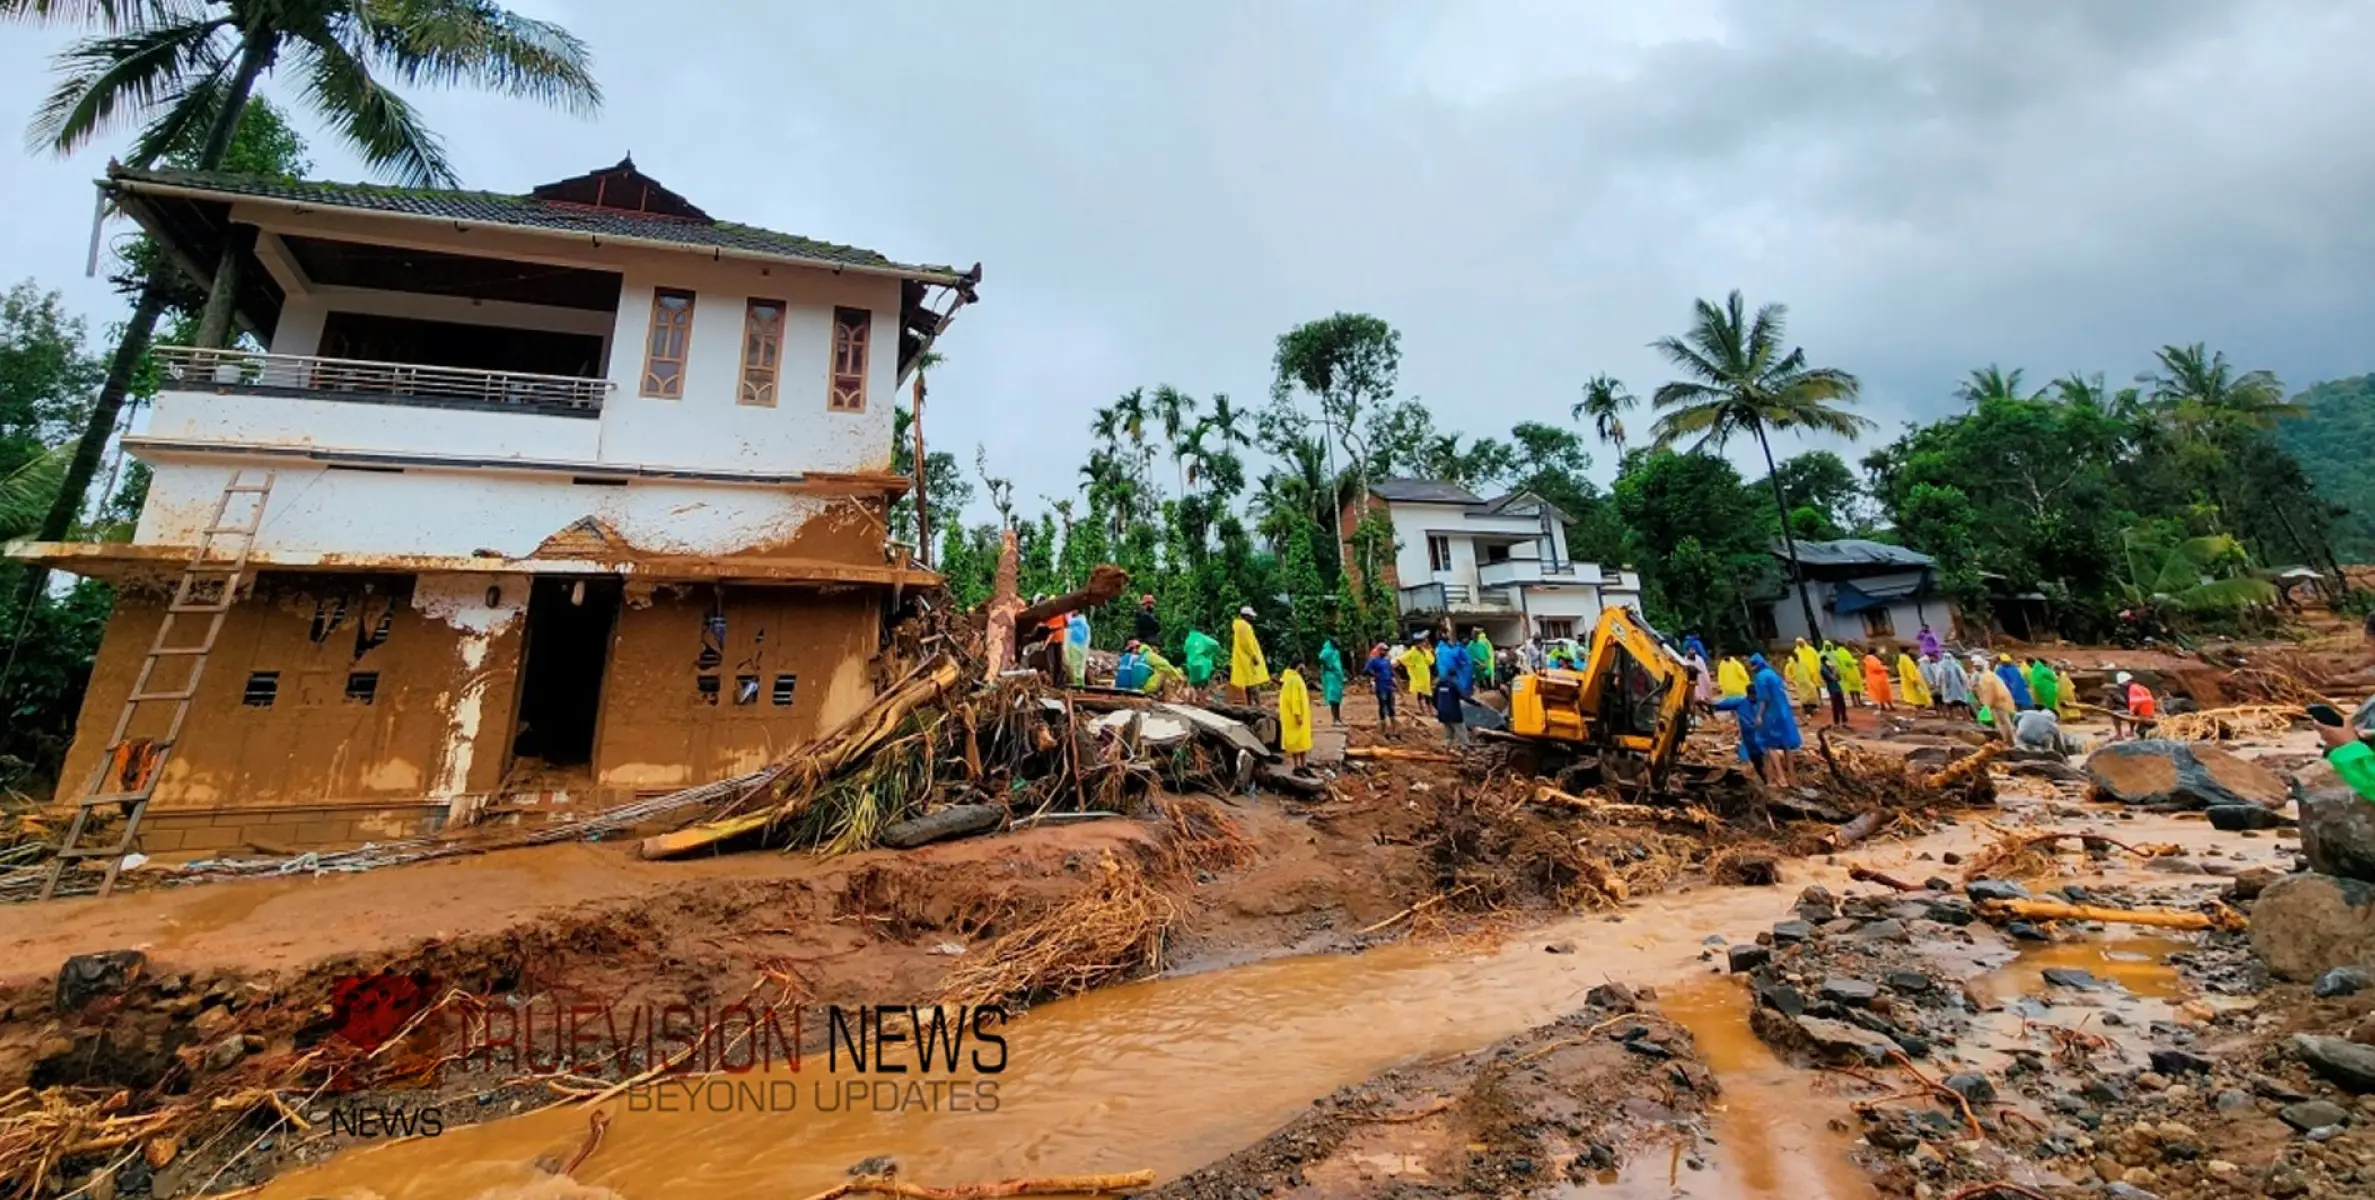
x: 2221, y: 724
x: 1101, y: 936
x: 1201, y: 837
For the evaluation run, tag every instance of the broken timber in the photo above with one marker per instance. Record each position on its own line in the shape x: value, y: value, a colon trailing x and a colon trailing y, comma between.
x: 1106, y: 582
x: 2159, y: 918
x: 786, y: 789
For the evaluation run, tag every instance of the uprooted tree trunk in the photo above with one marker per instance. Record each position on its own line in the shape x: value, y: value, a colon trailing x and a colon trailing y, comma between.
x: 2159, y: 918
x: 1105, y: 583
x: 788, y: 788
x: 1005, y: 603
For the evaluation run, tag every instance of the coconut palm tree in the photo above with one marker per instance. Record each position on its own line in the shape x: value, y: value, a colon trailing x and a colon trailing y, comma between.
x: 1604, y: 402
x: 1991, y: 382
x: 1740, y: 380
x: 2197, y: 386
x: 182, y: 71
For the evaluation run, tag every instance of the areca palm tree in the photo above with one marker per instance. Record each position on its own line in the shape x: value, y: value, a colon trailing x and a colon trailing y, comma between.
x: 1739, y: 380
x: 181, y: 71
x: 1175, y: 411
x: 1604, y: 402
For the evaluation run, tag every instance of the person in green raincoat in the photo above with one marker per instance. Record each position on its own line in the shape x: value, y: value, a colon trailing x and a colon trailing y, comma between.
x: 1203, y: 657
x: 1331, y: 679
x: 1851, y: 672
x: 1480, y: 658
x: 2044, y: 688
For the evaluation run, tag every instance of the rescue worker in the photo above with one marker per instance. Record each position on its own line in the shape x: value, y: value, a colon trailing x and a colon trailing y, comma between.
x: 1927, y: 642
x: 1851, y: 678
x: 1776, y: 727
x: 1130, y: 671
x: 1809, y: 662
x: 1834, y: 685
x: 1380, y: 671
x: 1203, y: 659
x: 1997, y: 703
x: 2138, y: 711
x: 1454, y: 679
x: 1247, y: 668
x: 1480, y: 658
x: 1876, y: 684
x: 1331, y: 679
x: 1909, y: 680
x: 1954, y: 683
x: 2067, y: 692
x: 1076, y: 648
x: 1144, y: 625
x: 2014, y: 683
x: 1420, y: 667
x: 1731, y: 679
x: 1159, y: 671
x: 2043, y: 687
x: 1294, y: 718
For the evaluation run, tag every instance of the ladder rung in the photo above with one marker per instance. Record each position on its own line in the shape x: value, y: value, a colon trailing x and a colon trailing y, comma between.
x: 151, y: 697
x: 222, y: 529
x: 164, y: 651
x: 198, y: 608
x: 256, y: 489
x: 115, y: 851
x: 139, y: 797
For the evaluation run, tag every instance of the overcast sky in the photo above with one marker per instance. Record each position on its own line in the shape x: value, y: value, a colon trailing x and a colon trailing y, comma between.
x: 1530, y: 190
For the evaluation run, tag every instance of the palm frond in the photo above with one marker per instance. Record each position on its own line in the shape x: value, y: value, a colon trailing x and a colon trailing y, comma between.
x: 103, y: 14
x: 480, y: 44
x: 1690, y: 361
x: 26, y: 492
x: 131, y: 74
x: 377, y: 122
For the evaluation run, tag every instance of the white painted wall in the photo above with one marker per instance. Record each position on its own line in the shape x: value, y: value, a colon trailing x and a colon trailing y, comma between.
x: 238, y: 420
x: 703, y: 430
x: 314, y: 510
x: 1905, y: 615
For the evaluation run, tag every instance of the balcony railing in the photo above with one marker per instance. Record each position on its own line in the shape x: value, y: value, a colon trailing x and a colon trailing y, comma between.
x: 1451, y: 598
x: 304, y: 375
x: 1525, y: 570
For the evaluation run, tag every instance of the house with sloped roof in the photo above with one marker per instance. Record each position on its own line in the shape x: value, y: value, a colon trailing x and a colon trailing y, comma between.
x: 1501, y: 564
x: 1863, y: 592
x: 565, y: 496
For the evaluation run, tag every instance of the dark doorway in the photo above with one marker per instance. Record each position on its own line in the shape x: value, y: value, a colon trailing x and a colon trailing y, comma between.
x: 568, y: 645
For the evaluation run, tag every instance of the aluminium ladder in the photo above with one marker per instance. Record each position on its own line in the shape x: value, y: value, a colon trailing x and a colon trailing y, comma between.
x: 129, y: 770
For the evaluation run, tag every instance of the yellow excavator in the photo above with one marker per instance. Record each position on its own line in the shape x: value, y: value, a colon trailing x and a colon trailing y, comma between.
x: 1620, y: 718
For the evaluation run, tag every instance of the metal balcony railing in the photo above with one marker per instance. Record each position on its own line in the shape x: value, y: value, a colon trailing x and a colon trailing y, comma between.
x: 237, y: 371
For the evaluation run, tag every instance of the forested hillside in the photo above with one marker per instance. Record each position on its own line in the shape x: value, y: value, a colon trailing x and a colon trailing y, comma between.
x: 2331, y: 438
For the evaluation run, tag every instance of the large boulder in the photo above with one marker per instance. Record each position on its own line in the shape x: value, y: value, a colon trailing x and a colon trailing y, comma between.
x: 86, y: 977
x: 2305, y: 925
x: 2337, y: 824
x: 2182, y: 775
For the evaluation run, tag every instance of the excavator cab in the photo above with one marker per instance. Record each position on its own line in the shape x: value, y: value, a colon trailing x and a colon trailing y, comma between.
x: 1626, y: 710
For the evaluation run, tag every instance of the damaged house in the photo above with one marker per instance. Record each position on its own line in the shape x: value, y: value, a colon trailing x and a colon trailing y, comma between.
x: 565, y: 497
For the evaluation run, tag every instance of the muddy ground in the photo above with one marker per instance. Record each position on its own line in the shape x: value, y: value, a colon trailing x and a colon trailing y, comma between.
x: 233, y: 989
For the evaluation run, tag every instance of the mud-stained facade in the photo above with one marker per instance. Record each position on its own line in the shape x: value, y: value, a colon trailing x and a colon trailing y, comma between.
x: 577, y: 496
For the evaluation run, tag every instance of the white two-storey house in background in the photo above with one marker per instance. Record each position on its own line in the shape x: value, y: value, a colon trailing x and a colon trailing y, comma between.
x: 1501, y: 564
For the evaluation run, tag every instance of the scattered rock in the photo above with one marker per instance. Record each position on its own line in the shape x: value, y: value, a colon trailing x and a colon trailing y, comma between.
x: 2072, y: 977
x: 1838, y: 1039
x: 1559, y: 948
x: 2337, y: 828
x: 86, y: 977
x: 2312, y: 1114
x: 222, y: 1054
x: 1855, y: 993
x: 1913, y: 982
x: 1792, y: 931
x: 2233, y: 1100
x: 1614, y: 997
x: 2179, y: 1062
x: 2247, y: 886
x: 1996, y: 889
x: 2343, y: 981
x: 2239, y: 818
x: 2346, y: 1063
x: 2025, y: 931
x: 213, y: 1021
x: 1747, y: 958
x: 1972, y: 1086
x: 1781, y: 998
x: 2305, y: 925
x: 1816, y: 904
x: 2182, y: 775
x: 2120, y: 1189
x: 1890, y: 930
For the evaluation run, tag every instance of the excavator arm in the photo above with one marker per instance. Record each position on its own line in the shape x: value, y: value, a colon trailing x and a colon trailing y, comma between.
x: 1630, y: 699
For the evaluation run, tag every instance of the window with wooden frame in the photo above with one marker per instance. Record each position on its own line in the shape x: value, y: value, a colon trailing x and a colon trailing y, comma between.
x: 1438, y: 552
x: 1879, y: 623
x: 671, y: 339
x: 762, y: 352
x: 852, y: 329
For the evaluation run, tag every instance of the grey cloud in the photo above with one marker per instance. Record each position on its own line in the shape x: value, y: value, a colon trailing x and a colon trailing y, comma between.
x: 1530, y: 190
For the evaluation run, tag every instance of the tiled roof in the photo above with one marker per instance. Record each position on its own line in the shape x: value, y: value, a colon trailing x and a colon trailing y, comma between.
x: 1423, y: 491
x: 493, y: 208
x: 1856, y: 552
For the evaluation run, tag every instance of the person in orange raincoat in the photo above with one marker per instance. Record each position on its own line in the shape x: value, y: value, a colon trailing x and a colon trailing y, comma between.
x: 1876, y: 683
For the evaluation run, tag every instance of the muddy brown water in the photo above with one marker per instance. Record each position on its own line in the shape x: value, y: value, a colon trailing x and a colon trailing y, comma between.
x: 1172, y: 1073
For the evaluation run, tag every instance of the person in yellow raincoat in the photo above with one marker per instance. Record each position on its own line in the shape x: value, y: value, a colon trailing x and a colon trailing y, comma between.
x: 1731, y: 678
x: 1808, y: 660
x: 1421, y: 666
x: 1793, y: 681
x: 1247, y: 670
x: 1294, y: 717
x: 2066, y: 693
x: 1909, y: 681
x: 1851, y: 676
x: 1876, y: 684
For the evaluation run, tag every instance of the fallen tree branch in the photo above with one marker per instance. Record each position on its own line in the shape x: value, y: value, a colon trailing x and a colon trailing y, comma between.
x: 1963, y: 768
x: 1854, y: 831
x: 596, y: 1122
x: 1693, y: 815
x: 1397, y: 754
x: 1106, y: 582
x: 1417, y: 908
x: 1042, y: 1185
x: 1891, y: 882
x: 2159, y: 918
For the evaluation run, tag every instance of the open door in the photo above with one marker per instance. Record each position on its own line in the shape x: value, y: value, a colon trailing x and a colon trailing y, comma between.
x: 567, y: 653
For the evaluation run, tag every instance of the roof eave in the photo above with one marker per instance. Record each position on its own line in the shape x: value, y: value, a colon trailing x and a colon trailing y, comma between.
x: 116, y: 181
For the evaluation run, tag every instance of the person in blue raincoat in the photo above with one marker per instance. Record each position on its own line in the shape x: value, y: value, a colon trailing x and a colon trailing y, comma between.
x: 1742, y: 707
x: 2009, y: 671
x: 1454, y: 678
x: 1776, y: 726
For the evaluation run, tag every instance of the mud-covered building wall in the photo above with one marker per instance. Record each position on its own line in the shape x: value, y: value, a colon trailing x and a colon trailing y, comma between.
x: 334, y: 708
x: 708, y: 682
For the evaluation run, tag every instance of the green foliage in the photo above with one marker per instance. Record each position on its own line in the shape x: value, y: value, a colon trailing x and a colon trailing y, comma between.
x: 46, y: 375
x: 1821, y: 484
x: 2332, y: 441
x: 2192, y: 575
x: 1699, y: 534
